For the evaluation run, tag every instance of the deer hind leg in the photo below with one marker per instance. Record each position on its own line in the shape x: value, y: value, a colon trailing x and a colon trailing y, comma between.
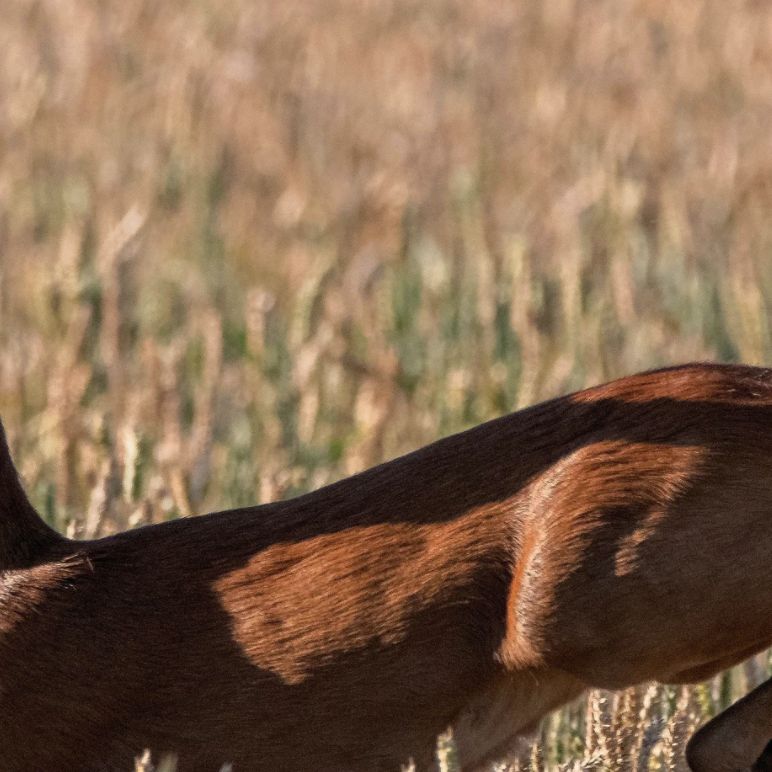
x: 500, y: 718
x: 737, y: 739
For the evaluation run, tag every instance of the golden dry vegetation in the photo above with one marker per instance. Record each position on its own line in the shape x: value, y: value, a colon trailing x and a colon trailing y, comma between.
x: 249, y: 247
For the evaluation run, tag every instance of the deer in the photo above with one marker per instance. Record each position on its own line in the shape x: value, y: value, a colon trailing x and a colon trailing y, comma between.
x: 613, y: 536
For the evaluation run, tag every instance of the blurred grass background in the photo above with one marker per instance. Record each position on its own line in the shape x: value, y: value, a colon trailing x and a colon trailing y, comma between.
x: 249, y: 247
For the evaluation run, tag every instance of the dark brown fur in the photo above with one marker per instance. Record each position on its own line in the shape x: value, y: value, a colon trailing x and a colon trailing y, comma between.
x: 601, y: 539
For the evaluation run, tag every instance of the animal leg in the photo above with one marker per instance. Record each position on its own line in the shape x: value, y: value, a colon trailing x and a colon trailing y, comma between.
x: 497, y: 721
x: 737, y: 739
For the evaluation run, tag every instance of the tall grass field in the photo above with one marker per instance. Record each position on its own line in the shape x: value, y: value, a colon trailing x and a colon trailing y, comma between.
x: 249, y: 247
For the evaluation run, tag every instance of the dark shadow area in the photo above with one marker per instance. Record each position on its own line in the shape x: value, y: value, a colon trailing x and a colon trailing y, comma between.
x: 764, y: 762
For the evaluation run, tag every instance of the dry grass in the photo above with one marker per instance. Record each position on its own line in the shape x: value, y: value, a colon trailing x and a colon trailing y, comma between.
x: 248, y: 247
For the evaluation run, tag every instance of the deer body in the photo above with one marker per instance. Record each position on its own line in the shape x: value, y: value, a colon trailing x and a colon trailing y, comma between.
x: 609, y: 537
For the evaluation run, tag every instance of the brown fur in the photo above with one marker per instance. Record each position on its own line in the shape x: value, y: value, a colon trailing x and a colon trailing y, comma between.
x: 601, y: 539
